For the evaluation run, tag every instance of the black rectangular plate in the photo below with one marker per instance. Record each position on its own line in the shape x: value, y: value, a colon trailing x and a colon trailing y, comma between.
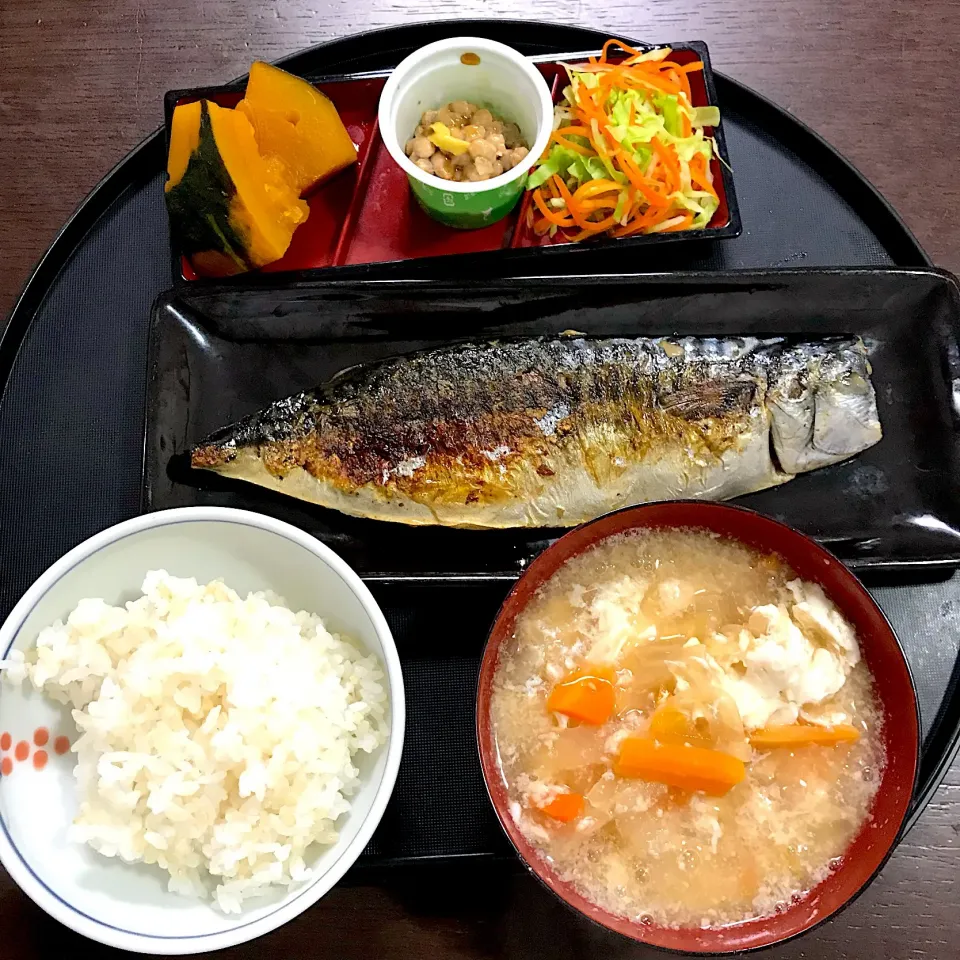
x: 219, y: 354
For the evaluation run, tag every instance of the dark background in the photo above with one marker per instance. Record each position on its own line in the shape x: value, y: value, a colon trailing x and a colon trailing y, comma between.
x: 81, y: 83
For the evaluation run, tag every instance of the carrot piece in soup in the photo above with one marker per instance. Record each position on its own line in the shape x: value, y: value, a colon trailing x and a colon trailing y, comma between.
x: 803, y: 735
x: 564, y: 807
x: 584, y: 697
x: 689, y: 768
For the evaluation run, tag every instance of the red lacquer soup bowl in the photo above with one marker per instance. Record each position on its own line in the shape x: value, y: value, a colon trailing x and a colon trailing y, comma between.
x: 880, y: 649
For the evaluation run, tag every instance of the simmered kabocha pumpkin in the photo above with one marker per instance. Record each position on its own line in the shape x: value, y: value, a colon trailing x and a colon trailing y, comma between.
x: 295, y: 122
x: 231, y: 209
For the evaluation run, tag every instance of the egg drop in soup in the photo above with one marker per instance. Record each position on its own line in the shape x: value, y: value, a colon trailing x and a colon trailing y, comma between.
x: 686, y: 730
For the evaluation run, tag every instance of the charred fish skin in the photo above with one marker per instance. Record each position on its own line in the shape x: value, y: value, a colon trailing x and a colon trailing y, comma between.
x: 556, y: 430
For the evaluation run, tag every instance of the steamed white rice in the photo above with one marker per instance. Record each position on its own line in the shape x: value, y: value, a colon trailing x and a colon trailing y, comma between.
x: 218, y: 734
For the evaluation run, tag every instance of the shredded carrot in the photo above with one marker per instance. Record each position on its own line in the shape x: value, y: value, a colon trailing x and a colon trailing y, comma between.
x: 686, y: 767
x: 572, y: 206
x: 557, y: 137
x: 579, y: 131
x: 699, y: 174
x: 564, y: 807
x: 679, y: 76
x: 803, y: 735
x: 639, y: 224
x: 597, y: 226
x: 596, y: 187
x: 585, y: 697
x: 668, y: 157
x: 551, y: 215
x: 617, y: 43
x: 653, y: 217
x: 638, y: 180
x: 590, y: 206
x: 647, y: 78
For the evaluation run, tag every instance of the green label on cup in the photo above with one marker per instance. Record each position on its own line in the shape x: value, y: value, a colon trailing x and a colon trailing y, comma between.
x: 468, y: 211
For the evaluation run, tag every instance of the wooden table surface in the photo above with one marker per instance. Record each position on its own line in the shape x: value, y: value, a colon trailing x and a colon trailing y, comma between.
x: 81, y: 83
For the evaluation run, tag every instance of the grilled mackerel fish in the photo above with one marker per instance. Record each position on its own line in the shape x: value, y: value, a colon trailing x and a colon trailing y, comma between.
x: 551, y: 432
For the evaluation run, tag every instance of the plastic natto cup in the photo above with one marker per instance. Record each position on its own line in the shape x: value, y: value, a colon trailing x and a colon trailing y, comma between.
x: 483, y: 72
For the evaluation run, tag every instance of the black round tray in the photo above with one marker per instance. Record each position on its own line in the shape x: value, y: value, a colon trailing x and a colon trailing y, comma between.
x: 73, y: 365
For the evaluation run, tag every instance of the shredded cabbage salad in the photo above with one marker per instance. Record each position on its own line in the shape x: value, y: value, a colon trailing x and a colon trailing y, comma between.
x: 629, y: 152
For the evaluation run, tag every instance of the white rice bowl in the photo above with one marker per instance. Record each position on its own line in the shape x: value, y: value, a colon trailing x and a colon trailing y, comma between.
x: 217, y: 732
x: 129, y: 905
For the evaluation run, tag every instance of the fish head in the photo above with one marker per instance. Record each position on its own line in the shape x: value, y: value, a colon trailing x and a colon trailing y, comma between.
x: 823, y: 408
